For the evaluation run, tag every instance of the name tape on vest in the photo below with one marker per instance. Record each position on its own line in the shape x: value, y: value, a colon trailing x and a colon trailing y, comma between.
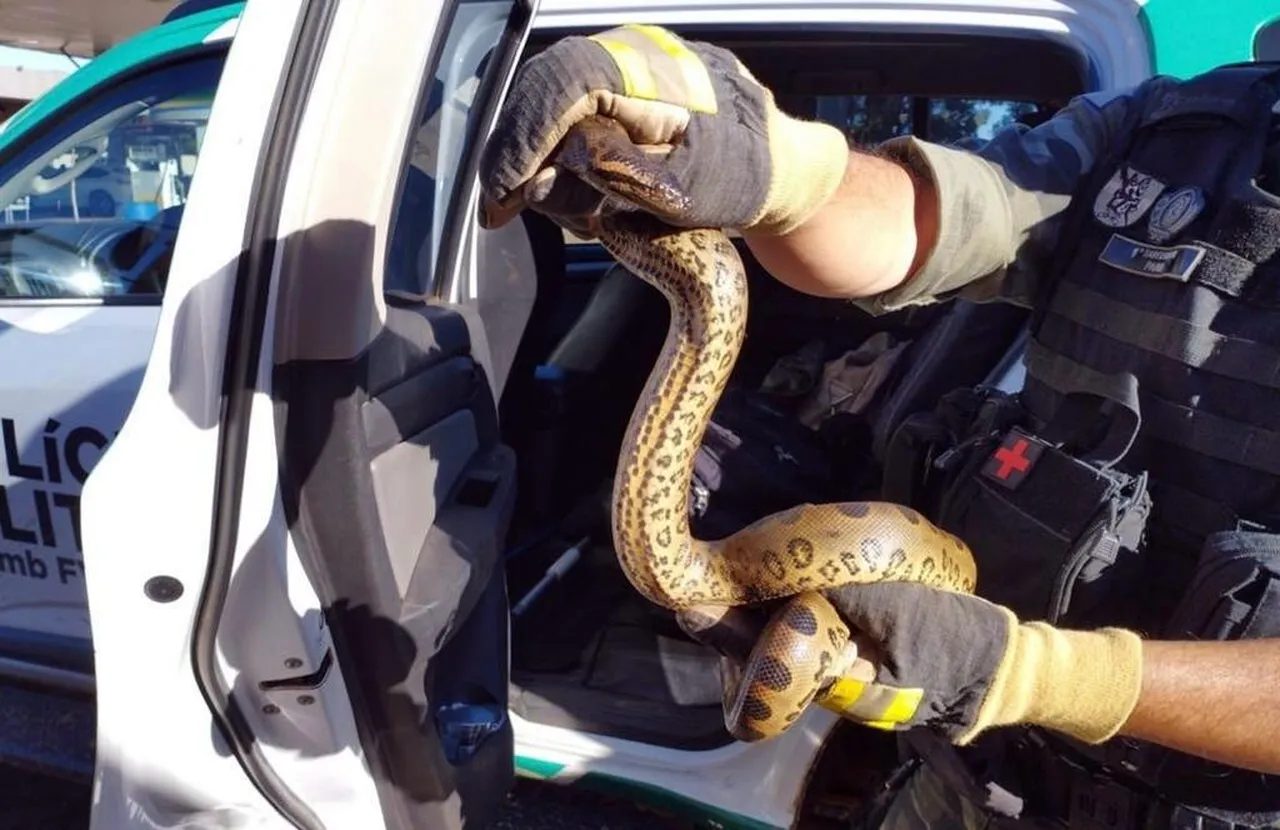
x: 1175, y: 263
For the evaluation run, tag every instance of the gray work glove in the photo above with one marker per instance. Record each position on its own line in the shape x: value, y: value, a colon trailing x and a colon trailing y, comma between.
x: 961, y: 664
x: 741, y: 162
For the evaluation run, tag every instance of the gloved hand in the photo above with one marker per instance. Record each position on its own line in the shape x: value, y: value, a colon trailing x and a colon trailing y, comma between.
x: 961, y: 664
x: 742, y: 163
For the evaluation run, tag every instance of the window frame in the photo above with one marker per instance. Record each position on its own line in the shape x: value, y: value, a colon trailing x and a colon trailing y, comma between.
x: 487, y: 101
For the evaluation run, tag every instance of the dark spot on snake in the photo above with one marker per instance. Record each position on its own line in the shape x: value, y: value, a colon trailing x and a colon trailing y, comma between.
x: 772, y: 673
x: 801, y: 552
x: 747, y: 733
x: 910, y: 515
x: 871, y: 551
x: 792, y: 715
x: 856, y: 509
x: 850, y: 562
x: 897, y: 558
x: 836, y: 638
x: 664, y: 537
x: 801, y: 619
x: 756, y: 709
x: 773, y: 563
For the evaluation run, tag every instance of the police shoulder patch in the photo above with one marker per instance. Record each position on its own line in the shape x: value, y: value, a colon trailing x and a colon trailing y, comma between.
x: 1125, y: 197
x: 1173, y: 211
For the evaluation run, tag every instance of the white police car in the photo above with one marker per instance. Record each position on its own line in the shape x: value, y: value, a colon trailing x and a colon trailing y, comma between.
x: 336, y: 431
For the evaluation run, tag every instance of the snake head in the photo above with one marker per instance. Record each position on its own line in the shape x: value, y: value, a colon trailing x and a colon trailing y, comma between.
x: 599, y: 151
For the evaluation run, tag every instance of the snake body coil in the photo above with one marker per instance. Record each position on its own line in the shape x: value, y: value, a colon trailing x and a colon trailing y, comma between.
x: 791, y: 555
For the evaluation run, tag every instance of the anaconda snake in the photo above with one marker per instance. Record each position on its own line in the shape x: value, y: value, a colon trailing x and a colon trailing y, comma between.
x: 791, y: 555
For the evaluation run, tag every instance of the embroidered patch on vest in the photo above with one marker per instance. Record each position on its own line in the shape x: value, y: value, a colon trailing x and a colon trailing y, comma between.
x: 1012, y: 461
x: 1173, y: 211
x: 1125, y: 197
x: 1133, y: 257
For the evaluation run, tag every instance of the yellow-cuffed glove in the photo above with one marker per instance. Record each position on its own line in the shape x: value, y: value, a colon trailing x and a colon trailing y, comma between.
x: 962, y: 665
x: 742, y: 162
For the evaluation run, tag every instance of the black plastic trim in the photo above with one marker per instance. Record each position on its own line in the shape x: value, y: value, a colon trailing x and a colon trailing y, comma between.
x: 1052, y: 54
x: 303, y: 681
x: 447, y: 259
x: 244, y: 346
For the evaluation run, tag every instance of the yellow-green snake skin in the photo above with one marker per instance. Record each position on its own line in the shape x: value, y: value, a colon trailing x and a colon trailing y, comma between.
x: 791, y: 555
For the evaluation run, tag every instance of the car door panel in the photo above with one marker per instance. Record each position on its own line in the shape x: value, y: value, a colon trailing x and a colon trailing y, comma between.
x: 396, y: 489
x: 337, y: 591
x: 399, y: 499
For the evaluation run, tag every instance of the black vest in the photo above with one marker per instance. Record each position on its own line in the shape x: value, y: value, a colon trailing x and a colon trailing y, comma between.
x: 1169, y: 305
x: 1136, y: 479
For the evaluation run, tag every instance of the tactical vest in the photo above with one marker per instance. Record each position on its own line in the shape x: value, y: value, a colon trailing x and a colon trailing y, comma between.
x: 1136, y: 479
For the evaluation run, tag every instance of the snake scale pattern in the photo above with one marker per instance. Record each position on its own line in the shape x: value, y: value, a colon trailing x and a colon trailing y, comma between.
x: 782, y: 561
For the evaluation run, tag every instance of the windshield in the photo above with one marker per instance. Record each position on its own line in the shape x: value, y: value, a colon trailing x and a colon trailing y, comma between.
x: 91, y: 209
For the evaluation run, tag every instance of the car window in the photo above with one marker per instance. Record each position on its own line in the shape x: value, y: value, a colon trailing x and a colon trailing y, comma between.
x: 430, y: 181
x: 91, y: 208
x: 870, y: 119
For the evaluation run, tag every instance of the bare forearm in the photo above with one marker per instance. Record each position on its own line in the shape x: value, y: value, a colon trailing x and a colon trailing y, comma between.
x: 1216, y: 700
x: 867, y: 239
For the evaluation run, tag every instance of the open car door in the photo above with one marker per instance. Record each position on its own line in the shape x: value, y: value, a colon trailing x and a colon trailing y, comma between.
x: 293, y: 546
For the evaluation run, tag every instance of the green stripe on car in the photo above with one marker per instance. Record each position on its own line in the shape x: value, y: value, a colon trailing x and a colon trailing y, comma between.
x: 1192, y: 36
x: 106, y: 69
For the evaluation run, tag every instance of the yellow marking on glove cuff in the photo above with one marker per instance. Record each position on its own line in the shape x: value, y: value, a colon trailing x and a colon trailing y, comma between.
x: 699, y: 95
x: 874, y: 705
x: 637, y: 79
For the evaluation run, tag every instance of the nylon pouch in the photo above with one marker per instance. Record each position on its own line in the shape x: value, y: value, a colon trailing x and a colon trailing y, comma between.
x: 1056, y: 538
x: 1235, y: 591
x: 1055, y: 528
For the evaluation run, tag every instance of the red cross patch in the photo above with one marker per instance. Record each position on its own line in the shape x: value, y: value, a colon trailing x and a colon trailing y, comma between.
x: 1012, y: 460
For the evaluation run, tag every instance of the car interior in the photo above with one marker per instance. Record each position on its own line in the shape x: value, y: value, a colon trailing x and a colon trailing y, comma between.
x: 588, y: 652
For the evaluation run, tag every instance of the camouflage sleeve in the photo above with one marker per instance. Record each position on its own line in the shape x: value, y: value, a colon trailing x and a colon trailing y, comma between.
x: 1001, y: 207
